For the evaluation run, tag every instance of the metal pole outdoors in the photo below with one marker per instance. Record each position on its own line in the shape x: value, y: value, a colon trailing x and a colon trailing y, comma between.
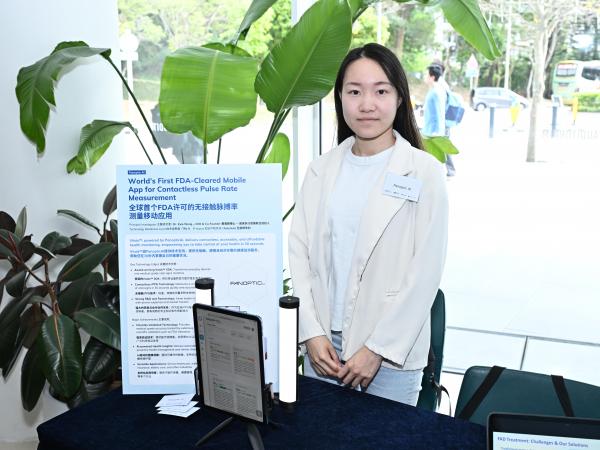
x: 492, y: 113
x: 554, y: 114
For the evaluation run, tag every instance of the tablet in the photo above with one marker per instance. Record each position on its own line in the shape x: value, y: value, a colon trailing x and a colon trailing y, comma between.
x: 231, y: 368
x: 533, y: 432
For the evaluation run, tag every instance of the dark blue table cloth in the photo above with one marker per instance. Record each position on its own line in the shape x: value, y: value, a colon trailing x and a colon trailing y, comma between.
x: 326, y: 416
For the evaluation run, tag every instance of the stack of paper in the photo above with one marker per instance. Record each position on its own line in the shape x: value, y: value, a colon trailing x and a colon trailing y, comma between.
x: 180, y: 405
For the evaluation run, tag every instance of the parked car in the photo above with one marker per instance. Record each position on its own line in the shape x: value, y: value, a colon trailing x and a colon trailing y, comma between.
x: 483, y: 97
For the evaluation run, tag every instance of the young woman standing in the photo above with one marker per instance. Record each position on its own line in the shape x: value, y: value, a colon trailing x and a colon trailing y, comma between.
x: 368, y: 239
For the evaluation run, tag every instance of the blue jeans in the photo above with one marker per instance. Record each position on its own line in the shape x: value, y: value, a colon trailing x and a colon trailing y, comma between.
x: 398, y: 385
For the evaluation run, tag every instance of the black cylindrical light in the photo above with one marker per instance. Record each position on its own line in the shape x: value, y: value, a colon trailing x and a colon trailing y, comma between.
x: 205, y: 288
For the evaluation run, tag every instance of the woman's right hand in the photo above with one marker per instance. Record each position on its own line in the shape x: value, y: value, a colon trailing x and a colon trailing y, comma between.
x: 323, y: 356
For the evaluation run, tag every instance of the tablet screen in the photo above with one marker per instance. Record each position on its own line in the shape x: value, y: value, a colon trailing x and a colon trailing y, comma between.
x: 229, y: 353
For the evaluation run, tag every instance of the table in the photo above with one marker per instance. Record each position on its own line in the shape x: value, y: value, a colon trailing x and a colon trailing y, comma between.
x: 327, y: 416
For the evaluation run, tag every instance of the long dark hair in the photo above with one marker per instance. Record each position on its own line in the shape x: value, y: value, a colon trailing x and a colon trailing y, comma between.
x: 404, y: 122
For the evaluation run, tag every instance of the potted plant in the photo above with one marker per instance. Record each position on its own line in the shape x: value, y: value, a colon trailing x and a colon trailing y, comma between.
x: 49, y: 315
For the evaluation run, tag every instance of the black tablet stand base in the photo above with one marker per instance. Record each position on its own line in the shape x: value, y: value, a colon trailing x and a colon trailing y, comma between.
x: 254, y: 436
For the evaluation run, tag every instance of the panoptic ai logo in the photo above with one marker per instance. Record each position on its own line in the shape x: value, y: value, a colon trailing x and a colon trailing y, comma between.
x: 136, y: 172
x: 247, y: 283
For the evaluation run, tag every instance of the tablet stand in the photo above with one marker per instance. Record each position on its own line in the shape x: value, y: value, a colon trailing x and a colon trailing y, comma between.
x: 254, y: 436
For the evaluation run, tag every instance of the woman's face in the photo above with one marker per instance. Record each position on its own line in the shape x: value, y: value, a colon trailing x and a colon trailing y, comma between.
x: 369, y: 100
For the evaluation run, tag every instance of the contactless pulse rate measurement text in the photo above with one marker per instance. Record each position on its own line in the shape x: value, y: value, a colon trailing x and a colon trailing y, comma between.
x: 169, y: 185
x: 160, y: 198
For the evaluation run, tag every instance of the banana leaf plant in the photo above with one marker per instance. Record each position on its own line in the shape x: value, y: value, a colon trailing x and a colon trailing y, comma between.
x: 298, y: 71
x: 50, y: 317
x: 221, y: 81
x: 35, y: 93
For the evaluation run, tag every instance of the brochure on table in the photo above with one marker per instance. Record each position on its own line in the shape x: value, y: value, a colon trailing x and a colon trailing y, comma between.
x: 178, y: 223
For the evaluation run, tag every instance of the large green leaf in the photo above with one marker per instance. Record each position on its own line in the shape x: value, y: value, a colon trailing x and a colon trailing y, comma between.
x: 55, y: 242
x: 279, y: 153
x: 94, y: 140
x: 113, y: 265
x: 60, y: 350
x: 88, y: 391
x: 106, y: 295
x: 21, y: 224
x: 79, y: 218
x: 114, y: 231
x: 35, y: 87
x: 10, y: 325
x: 78, y: 295
x: 4, y: 252
x: 110, y: 202
x: 85, y: 261
x: 16, y: 284
x: 254, y: 12
x: 32, y: 320
x: 466, y: 18
x: 77, y: 244
x: 7, y: 222
x: 301, y: 69
x: 207, y: 91
x: 99, y: 361
x: 8, y: 243
x: 26, y: 248
x: 14, y: 352
x: 439, y: 146
x: 7, y: 275
x: 101, y: 323
x: 32, y: 379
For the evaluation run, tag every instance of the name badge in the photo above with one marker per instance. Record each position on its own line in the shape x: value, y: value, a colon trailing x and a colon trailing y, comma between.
x: 404, y: 187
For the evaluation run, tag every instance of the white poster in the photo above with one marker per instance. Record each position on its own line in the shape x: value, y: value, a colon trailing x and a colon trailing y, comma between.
x: 178, y: 223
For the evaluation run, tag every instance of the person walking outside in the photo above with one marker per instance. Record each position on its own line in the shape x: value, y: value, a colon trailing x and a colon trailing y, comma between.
x: 435, y: 108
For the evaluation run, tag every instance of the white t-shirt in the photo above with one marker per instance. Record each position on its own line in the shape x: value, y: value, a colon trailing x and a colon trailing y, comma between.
x: 354, y: 182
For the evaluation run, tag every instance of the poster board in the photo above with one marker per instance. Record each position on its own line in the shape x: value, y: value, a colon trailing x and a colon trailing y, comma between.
x: 178, y: 223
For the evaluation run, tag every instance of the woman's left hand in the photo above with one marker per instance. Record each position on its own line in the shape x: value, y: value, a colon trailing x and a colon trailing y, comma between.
x: 361, y: 368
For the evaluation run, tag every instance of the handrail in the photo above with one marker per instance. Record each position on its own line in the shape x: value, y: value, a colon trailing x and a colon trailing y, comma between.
x: 527, y: 338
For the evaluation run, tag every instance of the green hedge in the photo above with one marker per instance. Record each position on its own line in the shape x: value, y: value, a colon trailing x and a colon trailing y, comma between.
x: 589, y: 101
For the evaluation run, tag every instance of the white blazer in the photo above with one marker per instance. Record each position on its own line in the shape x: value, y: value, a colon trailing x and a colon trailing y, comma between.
x: 396, y: 266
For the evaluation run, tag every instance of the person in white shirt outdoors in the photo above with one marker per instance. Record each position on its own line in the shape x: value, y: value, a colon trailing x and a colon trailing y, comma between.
x: 368, y: 238
x: 435, y: 108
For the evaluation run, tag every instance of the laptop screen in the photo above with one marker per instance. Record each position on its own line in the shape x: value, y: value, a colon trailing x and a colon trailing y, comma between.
x: 229, y: 350
x: 530, y: 432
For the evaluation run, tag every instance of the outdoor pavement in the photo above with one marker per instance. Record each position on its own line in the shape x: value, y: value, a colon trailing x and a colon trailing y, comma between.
x: 523, y: 247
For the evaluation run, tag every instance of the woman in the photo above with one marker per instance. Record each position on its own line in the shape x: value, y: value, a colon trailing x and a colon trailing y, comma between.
x: 368, y: 238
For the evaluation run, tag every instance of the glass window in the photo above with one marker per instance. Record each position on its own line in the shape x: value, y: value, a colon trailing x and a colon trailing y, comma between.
x: 566, y: 70
x: 591, y: 73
